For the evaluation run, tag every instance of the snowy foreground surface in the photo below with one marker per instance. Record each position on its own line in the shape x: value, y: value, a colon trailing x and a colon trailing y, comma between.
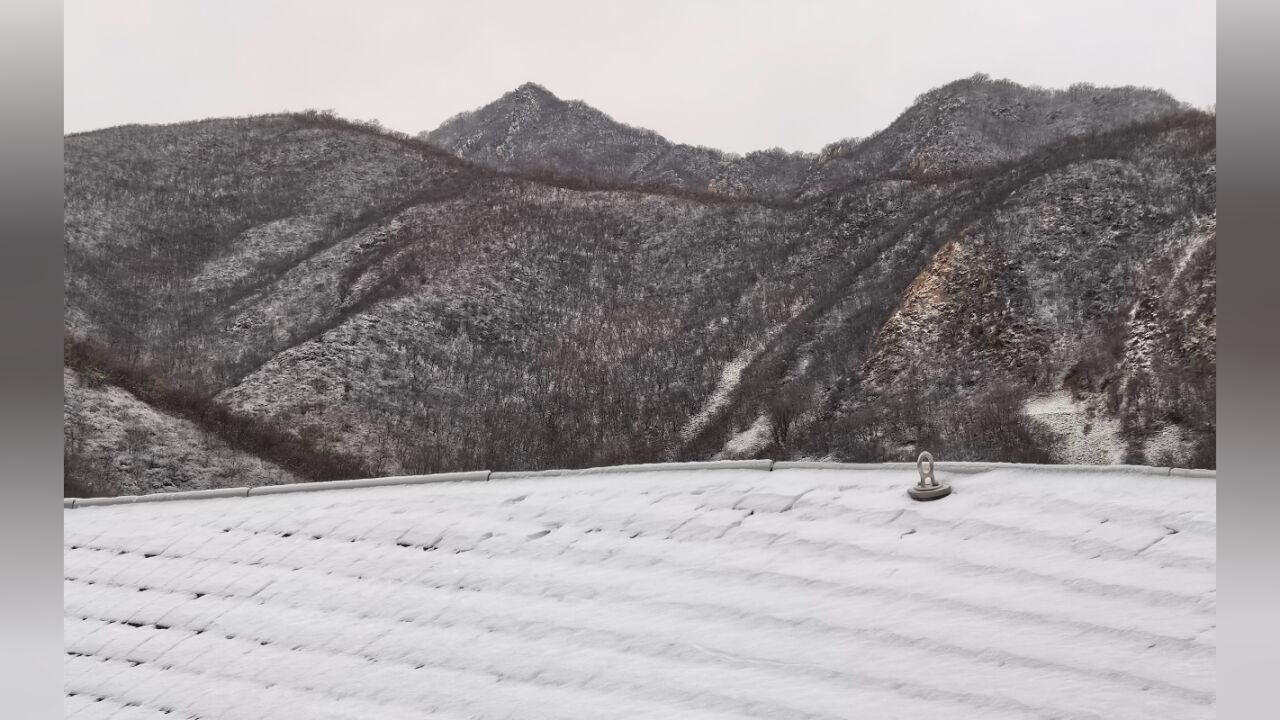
x: 792, y: 594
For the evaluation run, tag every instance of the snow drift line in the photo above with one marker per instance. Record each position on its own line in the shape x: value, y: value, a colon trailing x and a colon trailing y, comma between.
x: 955, y: 467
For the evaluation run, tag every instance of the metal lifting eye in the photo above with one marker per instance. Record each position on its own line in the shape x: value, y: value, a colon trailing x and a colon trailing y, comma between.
x: 928, y: 488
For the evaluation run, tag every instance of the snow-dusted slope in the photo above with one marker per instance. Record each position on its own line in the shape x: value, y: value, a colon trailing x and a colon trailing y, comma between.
x: 121, y: 445
x: 799, y: 593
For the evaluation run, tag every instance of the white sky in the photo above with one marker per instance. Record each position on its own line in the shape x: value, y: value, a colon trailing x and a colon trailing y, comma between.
x: 738, y: 75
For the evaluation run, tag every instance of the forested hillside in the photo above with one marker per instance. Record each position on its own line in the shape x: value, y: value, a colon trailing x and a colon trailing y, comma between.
x: 1003, y: 273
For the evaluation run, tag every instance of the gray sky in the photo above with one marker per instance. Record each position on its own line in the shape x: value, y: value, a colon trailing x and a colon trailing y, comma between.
x: 737, y: 75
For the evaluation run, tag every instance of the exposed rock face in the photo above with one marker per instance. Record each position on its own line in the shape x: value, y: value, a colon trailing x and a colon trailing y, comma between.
x: 346, y: 301
x: 1083, y: 272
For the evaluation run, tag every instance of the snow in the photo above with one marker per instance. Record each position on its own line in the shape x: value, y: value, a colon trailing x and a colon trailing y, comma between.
x: 1089, y: 435
x: 1166, y: 444
x: 726, y: 593
x: 749, y: 441
x: 1194, y: 243
x: 730, y: 376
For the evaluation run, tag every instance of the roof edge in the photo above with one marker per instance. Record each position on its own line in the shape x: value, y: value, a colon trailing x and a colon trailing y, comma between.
x: 968, y: 468
x: 474, y: 476
x: 954, y: 467
x: 640, y: 467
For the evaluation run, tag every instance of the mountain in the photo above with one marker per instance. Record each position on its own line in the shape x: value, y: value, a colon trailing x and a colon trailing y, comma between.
x: 979, y: 122
x: 968, y: 124
x: 329, y: 299
x: 530, y: 130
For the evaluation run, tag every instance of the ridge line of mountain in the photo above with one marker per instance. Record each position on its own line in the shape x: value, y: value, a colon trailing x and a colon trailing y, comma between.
x: 978, y: 119
x: 430, y: 143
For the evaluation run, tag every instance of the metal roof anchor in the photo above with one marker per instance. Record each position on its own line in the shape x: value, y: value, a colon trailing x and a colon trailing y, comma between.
x: 928, y: 488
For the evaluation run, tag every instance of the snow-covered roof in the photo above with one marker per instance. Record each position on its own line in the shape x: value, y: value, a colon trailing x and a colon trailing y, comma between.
x: 801, y: 592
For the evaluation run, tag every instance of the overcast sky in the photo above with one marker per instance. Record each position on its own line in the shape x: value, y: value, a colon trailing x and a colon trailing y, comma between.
x: 731, y: 74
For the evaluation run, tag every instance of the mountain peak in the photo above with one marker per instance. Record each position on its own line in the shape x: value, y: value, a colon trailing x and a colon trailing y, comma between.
x: 531, y: 129
x: 532, y: 91
x: 982, y: 87
x: 979, y: 120
x: 533, y: 87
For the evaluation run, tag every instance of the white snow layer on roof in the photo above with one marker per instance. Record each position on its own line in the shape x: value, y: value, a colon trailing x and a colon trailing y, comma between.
x: 792, y: 594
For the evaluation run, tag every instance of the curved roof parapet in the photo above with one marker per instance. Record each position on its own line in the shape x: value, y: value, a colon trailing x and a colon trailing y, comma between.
x: 950, y: 467
x: 966, y: 467
x: 644, y: 467
x: 474, y: 476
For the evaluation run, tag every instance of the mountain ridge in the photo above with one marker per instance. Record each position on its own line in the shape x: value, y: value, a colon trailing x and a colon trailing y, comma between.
x: 963, y: 124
